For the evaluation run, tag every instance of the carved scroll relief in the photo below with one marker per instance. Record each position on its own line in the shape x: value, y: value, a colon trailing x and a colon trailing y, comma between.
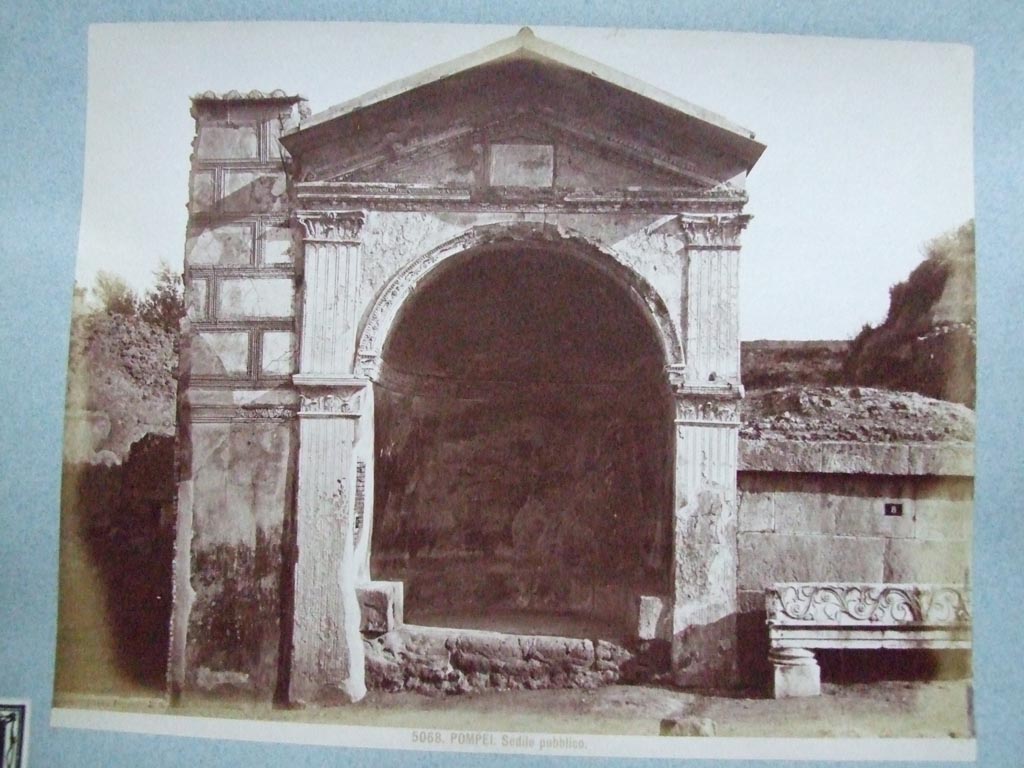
x: 867, y: 605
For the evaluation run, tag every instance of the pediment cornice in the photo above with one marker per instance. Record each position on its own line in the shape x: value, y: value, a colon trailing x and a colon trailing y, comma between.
x: 522, y: 83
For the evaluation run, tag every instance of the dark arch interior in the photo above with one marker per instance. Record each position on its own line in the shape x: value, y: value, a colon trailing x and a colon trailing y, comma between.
x: 523, y: 448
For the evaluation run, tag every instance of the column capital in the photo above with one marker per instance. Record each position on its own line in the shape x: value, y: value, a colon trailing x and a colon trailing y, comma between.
x: 331, y: 226
x: 330, y: 396
x: 706, y: 405
x: 712, y: 231
x: 707, y: 411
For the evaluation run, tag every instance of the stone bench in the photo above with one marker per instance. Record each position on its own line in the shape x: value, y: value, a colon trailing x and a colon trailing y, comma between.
x: 802, y: 616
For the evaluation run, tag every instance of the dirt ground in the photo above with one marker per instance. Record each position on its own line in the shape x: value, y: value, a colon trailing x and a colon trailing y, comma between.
x: 936, y: 709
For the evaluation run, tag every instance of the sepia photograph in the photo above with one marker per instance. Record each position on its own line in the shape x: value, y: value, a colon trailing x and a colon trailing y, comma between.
x: 522, y: 389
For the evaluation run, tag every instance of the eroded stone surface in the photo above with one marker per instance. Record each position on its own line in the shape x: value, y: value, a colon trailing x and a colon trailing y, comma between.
x: 654, y: 619
x: 196, y: 299
x: 254, y: 192
x: 201, y: 192
x: 955, y: 459
x: 278, y: 246
x: 818, y: 517
x: 381, y: 603
x: 228, y: 142
x: 927, y: 561
x: 459, y: 661
x: 765, y: 559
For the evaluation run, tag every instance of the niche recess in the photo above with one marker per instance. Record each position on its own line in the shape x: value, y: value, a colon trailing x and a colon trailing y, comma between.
x: 523, y: 448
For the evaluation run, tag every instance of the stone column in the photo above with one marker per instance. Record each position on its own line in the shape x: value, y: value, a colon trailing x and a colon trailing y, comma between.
x: 335, y: 426
x: 707, y: 392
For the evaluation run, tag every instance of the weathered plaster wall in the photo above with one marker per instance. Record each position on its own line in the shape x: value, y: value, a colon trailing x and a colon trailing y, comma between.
x: 240, y: 482
x: 236, y: 429
x: 240, y: 250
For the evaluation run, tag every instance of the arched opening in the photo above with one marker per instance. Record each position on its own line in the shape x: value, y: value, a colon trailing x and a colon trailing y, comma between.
x: 523, y: 428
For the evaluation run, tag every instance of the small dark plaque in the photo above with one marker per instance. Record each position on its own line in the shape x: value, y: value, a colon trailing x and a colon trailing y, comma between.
x: 893, y: 509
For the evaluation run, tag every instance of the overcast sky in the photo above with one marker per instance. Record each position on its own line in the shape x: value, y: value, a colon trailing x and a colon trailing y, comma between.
x: 869, y: 143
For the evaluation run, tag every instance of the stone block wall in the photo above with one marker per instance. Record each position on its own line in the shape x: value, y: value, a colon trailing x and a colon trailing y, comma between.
x: 236, y: 421
x: 817, y: 512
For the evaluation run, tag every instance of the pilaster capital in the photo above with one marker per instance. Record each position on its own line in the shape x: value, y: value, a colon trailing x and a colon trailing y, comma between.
x: 717, y: 405
x: 330, y: 396
x: 713, y: 231
x: 331, y: 226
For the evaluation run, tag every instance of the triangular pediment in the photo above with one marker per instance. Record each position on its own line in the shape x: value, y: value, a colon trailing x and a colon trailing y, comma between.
x: 522, y: 113
x: 520, y: 150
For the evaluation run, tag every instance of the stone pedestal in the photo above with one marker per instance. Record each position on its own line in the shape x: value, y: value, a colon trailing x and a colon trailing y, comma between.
x: 382, y: 605
x: 653, y: 618
x: 796, y: 673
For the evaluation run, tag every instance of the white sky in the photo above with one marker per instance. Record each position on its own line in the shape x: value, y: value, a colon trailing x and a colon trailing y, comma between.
x: 869, y: 143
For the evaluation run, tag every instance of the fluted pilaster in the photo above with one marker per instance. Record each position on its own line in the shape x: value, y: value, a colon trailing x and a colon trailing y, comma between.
x: 335, y: 449
x: 711, y: 297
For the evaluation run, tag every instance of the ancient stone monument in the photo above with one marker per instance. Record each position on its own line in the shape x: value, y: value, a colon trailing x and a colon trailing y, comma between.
x: 461, y: 356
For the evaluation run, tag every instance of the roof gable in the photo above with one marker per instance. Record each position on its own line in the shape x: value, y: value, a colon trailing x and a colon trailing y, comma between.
x: 522, y: 91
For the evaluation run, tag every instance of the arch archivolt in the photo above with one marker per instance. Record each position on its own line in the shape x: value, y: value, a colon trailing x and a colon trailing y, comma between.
x: 382, y: 313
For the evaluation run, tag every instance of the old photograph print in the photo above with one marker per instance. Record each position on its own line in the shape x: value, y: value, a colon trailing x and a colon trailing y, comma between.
x: 517, y: 388
x: 13, y: 734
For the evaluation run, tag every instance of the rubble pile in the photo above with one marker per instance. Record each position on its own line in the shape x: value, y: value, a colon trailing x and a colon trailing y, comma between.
x: 856, y: 414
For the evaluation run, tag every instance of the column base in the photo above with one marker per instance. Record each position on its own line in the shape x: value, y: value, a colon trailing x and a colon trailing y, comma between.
x: 704, y: 656
x: 796, y: 673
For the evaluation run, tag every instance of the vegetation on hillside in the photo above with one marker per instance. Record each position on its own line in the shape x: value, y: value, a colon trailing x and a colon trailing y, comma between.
x: 122, y: 365
x: 927, y: 343
x: 163, y: 305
